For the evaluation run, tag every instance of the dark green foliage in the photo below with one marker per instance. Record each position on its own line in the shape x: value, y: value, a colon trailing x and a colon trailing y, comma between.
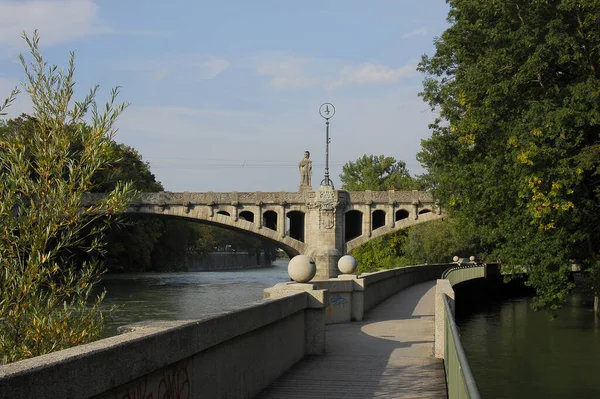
x: 129, y: 166
x: 385, y: 252
x: 376, y: 173
x: 514, y: 154
x: 438, y: 241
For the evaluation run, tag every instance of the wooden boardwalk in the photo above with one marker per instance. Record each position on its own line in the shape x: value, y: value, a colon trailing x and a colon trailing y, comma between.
x: 387, y: 355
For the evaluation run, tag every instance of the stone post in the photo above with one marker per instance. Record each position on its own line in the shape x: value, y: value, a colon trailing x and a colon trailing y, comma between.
x: 281, y: 221
x: 314, y: 314
x: 392, y: 215
x: 235, y: 210
x: 357, y: 299
x: 368, y: 225
x: 415, y: 203
x: 258, y: 219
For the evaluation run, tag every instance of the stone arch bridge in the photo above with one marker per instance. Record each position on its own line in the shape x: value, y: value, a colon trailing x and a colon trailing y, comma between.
x: 324, y: 223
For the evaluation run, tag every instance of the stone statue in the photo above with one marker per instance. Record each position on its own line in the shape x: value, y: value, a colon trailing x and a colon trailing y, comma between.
x: 305, y: 168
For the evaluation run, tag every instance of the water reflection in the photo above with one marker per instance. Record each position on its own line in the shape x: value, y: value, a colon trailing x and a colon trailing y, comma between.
x: 515, y: 352
x: 186, y: 295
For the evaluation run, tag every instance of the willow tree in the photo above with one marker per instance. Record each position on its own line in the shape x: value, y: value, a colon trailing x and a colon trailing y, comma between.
x: 50, y: 242
x: 515, y: 153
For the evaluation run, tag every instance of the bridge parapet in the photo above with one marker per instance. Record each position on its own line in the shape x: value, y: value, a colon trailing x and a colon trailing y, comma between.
x: 390, y: 197
x: 212, y: 198
x: 277, y: 198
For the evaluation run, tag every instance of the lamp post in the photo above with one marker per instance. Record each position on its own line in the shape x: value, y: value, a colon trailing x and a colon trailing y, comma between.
x: 327, y: 110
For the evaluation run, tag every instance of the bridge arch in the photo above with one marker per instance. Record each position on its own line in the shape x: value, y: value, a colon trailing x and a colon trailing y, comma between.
x: 353, y: 222
x: 390, y: 228
x: 296, y: 224
x: 270, y: 219
x: 222, y: 218
x: 247, y: 216
x: 402, y: 214
x: 377, y: 219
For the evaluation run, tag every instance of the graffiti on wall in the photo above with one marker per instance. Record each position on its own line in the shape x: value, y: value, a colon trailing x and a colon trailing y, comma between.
x: 173, y: 383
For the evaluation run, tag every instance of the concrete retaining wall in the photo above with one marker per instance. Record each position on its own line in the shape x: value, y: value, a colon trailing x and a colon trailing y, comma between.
x: 235, y: 355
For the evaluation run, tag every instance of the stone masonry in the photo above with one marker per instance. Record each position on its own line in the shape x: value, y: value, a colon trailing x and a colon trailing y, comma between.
x: 310, y: 222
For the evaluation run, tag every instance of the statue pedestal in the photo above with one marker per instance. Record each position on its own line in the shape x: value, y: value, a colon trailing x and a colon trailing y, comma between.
x: 304, y: 188
x: 324, y: 228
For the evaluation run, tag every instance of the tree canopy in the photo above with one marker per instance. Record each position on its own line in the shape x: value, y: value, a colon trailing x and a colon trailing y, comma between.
x: 376, y: 173
x: 514, y: 154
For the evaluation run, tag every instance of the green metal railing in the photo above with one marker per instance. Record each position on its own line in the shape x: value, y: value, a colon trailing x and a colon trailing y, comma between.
x: 459, y: 274
x: 459, y: 379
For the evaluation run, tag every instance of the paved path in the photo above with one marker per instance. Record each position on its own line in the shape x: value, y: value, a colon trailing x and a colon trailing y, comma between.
x: 387, y: 355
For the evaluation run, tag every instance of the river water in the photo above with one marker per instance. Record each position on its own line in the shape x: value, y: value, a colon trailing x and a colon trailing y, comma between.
x: 515, y: 352
x: 185, y: 295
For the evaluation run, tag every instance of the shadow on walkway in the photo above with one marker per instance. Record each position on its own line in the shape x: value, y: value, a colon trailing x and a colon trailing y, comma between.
x: 387, y: 355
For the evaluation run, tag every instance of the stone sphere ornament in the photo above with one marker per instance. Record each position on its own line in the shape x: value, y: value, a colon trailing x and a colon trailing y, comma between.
x: 456, y: 258
x: 347, y: 264
x: 302, y: 268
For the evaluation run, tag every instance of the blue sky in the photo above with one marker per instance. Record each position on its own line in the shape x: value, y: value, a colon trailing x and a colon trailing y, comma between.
x: 225, y: 94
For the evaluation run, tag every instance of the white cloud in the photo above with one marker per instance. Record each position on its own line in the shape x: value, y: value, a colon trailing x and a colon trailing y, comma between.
x: 289, y: 72
x: 212, y: 67
x: 192, y: 66
x: 56, y: 20
x: 422, y: 31
x: 369, y: 73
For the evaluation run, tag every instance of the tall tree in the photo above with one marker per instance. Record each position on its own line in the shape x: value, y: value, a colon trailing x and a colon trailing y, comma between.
x: 130, y: 245
x: 376, y: 173
x: 514, y: 153
x: 48, y: 249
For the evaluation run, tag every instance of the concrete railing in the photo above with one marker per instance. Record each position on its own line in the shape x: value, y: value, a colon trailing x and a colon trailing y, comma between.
x: 234, y: 355
x: 381, y: 285
x: 350, y: 296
